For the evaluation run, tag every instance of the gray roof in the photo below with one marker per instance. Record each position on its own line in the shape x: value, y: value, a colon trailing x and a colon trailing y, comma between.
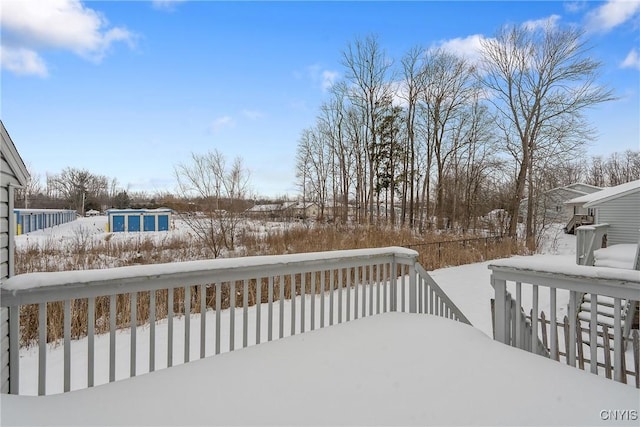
x: 10, y: 153
x: 606, y: 194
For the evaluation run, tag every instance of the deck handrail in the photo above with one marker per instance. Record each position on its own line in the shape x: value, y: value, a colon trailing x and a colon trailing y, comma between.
x: 32, y: 288
x: 346, y: 284
x: 604, y: 283
x: 588, y: 239
x: 456, y: 313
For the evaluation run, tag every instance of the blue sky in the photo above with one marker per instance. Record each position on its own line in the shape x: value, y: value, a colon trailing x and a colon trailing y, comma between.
x: 128, y: 89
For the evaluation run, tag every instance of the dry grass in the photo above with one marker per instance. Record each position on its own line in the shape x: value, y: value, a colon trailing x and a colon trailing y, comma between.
x: 435, y: 251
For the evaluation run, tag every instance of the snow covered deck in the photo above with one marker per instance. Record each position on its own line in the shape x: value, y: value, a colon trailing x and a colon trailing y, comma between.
x: 616, y: 256
x: 384, y: 368
x: 389, y: 369
x: 297, y: 293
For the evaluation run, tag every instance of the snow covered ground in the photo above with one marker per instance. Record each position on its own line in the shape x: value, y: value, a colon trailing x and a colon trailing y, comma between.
x: 391, y: 369
x: 93, y: 229
x: 468, y: 286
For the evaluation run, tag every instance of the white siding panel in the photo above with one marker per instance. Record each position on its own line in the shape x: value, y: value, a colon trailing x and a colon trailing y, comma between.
x: 4, y: 240
x: 4, y: 345
x: 4, y: 255
x: 4, y: 210
x: 4, y: 270
x: 623, y: 216
x: 8, y: 175
x: 5, y: 384
x: 5, y: 172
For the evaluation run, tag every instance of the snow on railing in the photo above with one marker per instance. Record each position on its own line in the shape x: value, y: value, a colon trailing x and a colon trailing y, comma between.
x: 602, y: 298
x: 314, y: 290
x: 588, y: 239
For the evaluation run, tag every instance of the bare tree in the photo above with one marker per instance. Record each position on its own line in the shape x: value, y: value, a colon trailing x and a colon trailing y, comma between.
x: 447, y: 93
x: 355, y: 131
x: 31, y: 189
x: 475, y: 161
x: 540, y: 80
x: 313, y: 163
x: 595, y: 173
x: 218, y: 192
x: 81, y: 188
x: 620, y: 168
x: 368, y: 71
x: 412, y: 75
x: 616, y: 169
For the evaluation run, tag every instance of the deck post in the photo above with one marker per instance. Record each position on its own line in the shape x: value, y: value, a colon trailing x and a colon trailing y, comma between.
x: 394, y: 286
x: 500, y: 287
x: 14, y: 350
x: 413, y: 288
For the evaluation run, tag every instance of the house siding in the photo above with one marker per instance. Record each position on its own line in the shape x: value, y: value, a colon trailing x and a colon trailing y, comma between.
x: 5, y: 268
x: 552, y: 205
x: 12, y: 174
x: 555, y: 208
x: 6, y: 178
x: 622, y: 216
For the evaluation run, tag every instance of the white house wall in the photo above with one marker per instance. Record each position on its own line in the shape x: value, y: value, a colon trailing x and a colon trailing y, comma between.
x: 13, y: 173
x: 7, y: 178
x: 556, y: 210
x: 552, y: 205
x: 5, y: 272
x: 622, y: 214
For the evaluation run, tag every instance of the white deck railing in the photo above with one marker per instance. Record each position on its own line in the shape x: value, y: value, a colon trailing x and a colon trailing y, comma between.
x: 550, y: 284
x: 328, y: 287
x: 588, y: 239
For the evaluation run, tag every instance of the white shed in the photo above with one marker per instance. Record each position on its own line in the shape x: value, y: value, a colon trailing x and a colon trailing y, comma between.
x: 13, y: 173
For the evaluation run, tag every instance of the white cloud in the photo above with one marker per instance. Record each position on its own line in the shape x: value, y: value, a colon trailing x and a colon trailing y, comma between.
x: 22, y: 61
x: 32, y: 26
x: 575, y: 6
x: 543, y: 23
x: 400, y: 93
x: 612, y: 14
x: 221, y: 123
x: 632, y: 60
x: 469, y: 47
x: 328, y: 79
x: 167, y: 5
x: 318, y: 76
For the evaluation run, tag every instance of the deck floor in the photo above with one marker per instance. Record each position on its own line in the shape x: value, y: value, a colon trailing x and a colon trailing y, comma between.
x: 389, y: 369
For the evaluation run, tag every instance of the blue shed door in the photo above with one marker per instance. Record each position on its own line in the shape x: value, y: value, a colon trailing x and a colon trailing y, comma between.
x: 134, y: 223
x: 118, y: 223
x: 163, y: 222
x: 149, y: 223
